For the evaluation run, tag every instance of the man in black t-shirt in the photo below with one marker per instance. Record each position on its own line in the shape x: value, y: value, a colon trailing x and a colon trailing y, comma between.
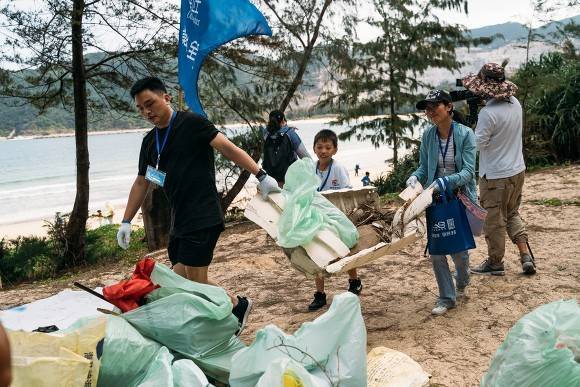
x: 178, y: 155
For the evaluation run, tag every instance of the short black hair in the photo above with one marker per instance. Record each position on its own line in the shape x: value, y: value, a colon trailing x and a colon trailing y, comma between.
x: 326, y: 135
x: 277, y: 115
x: 147, y: 83
x: 367, y: 173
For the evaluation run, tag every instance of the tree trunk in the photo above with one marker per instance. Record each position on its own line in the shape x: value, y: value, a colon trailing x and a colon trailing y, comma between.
x: 78, y: 218
x: 305, y: 59
x: 229, y: 197
x: 394, y: 136
x: 392, y: 110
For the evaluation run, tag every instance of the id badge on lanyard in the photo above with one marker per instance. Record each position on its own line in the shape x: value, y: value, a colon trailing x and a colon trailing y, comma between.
x: 154, y: 175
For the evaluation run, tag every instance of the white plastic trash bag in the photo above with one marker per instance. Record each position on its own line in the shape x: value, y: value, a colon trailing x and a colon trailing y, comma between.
x: 389, y: 368
x: 331, y: 348
x: 289, y: 373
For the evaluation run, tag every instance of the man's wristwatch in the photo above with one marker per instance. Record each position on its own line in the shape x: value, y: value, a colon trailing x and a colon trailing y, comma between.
x: 261, y: 174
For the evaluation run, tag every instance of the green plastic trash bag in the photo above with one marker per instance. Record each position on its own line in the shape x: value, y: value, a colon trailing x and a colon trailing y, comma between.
x: 126, y: 355
x: 187, y: 374
x: 218, y: 363
x: 166, y: 278
x: 332, y: 346
x: 181, y: 373
x: 131, y: 360
x: 306, y: 211
x: 192, y: 319
x: 541, y: 349
x: 159, y: 372
x: 184, y: 323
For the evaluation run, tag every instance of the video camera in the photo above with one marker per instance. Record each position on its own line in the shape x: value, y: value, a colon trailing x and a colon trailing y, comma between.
x: 473, y: 101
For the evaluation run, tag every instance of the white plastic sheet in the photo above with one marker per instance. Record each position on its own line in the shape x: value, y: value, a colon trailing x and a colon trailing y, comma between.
x: 62, y: 310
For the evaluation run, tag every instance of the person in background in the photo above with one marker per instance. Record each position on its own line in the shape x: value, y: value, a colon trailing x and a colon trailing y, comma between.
x: 447, y: 149
x: 5, y: 359
x: 109, y: 214
x: 333, y: 176
x: 501, y: 167
x: 366, y: 180
x: 356, y: 169
x: 178, y: 155
x: 99, y: 216
x: 282, y: 146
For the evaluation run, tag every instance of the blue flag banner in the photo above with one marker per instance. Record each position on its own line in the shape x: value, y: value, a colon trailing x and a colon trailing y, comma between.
x: 206, y: 25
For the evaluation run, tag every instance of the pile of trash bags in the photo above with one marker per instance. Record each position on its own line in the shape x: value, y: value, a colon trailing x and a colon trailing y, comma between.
x: 183, y: 334
x: 541, y: 349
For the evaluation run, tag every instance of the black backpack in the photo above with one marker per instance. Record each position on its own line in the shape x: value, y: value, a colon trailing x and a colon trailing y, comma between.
x: 278, y: 155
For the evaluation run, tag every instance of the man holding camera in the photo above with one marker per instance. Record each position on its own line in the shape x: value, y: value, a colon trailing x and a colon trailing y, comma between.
x: 501, y: 167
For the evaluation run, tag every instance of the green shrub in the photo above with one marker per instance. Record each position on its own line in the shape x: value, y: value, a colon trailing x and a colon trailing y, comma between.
x: 549, y: 89
x: 36, y: 258
x: 57, y: 237
x: 395, y: 180
x: 26, y: 258
x: 101, y: 244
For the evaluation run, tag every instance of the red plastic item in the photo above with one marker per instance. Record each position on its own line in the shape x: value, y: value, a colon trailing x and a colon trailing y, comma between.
x: 127, y: 294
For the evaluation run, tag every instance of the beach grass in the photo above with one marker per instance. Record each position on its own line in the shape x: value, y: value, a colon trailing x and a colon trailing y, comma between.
x: 555, y: 202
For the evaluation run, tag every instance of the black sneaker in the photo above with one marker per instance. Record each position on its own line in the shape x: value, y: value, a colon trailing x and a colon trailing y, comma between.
x: 528, y: 265
x: 318, y: 302
x: 487, y: 268
x: 241, y: 311
x: 355, y: 286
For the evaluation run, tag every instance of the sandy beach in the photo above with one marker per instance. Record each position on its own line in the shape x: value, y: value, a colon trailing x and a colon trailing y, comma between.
x: 399, y: 290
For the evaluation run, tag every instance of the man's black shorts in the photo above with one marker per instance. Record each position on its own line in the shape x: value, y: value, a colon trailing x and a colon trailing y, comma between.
x: 196, y: 248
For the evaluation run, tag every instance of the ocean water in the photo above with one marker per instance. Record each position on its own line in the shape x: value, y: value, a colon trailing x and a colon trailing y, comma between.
x: 37, y: 176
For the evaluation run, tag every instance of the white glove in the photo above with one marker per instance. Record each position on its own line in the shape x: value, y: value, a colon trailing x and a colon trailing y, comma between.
x: 411, y: 181
x: 266, y: 185
x: 124, y: 235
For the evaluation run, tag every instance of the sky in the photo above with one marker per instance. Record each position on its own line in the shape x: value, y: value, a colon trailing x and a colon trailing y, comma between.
x: 489, y: 12
x: 481, y: 12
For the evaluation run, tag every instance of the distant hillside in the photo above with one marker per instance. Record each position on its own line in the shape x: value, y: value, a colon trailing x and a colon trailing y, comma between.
x: 514, y: 32
x: 16, y: 115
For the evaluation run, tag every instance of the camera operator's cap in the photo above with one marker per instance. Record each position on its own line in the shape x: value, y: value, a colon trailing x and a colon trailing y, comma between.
x: 490, y: 82
x: 433, y: 96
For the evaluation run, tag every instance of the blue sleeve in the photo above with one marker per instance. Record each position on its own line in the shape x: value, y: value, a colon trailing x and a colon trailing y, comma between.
x: 296, y: 141
x: 264, y: 133
x: 297, y: 144
x: 467, y: 172
x: 421, y: 171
